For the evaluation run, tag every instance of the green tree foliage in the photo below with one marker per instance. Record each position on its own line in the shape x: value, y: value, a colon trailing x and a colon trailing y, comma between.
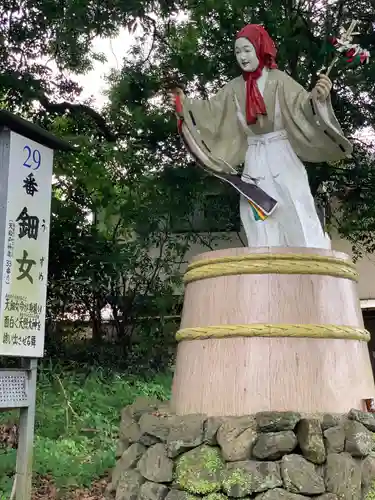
x: 115, y: 214
x: 118, y: 201
x: 36, y: 36
x: 300, y: 29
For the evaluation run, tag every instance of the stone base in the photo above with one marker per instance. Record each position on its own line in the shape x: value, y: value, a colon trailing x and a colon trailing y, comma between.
x: 266, y: 456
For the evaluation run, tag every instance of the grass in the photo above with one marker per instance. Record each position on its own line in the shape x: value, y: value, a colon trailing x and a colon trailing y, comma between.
x: 77, y: 424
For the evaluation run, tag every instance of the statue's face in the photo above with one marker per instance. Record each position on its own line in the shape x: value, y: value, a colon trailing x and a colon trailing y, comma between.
x: 246, y: 55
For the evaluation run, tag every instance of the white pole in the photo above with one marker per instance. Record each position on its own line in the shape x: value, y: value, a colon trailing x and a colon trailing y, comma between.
x: 24, y: 466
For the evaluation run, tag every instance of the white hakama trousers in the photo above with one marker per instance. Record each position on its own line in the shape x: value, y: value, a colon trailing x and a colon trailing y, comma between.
x: 272, y: 164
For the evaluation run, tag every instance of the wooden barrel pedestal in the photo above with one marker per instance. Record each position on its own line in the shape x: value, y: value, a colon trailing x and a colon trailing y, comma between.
x: 271, y: 329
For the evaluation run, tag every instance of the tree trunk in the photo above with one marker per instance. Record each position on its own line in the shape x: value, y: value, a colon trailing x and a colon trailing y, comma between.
x: 96, y: 320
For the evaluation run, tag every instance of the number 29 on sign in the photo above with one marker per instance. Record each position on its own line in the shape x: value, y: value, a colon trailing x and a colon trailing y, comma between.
x: 33, y: 160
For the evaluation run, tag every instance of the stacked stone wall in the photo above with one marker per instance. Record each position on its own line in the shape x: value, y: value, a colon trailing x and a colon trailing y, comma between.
x: 267, y: 456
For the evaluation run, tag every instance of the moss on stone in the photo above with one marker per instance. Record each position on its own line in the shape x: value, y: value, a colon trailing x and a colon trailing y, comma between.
x: 189, y: 496
x: 371, y: 493
x: 215, y: 496
x: 237, y: 482
x: 199, y: 471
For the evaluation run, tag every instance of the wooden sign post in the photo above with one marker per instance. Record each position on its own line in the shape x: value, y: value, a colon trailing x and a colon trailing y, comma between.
x: 26, y: 164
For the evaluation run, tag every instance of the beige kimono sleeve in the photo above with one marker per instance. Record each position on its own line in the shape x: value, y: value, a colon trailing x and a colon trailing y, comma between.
x: 312, y: 127
x: 212, y: 132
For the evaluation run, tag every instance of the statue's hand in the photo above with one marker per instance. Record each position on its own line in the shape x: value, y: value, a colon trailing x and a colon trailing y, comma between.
x: 172, y: 95
x: 323, y: 87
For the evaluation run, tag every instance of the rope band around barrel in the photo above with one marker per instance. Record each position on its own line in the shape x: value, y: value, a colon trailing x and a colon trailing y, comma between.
x: 271, y: 264
x: 274, y: 331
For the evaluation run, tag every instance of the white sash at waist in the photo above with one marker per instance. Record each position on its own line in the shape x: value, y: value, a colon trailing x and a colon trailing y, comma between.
x: 267, y: 138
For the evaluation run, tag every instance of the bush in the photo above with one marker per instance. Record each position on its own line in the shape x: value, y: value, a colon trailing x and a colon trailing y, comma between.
x: 77, y: 419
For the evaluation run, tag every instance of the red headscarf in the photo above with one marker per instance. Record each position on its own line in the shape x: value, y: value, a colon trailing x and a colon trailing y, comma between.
x: 266, y: 53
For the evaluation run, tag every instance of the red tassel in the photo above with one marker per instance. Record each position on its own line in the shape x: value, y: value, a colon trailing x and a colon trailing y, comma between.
x: 178, y: 107
x: 178, y: 104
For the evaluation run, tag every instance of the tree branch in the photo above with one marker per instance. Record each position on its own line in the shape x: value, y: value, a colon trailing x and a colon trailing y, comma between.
x: 27, y: 84
x: 64, y: 106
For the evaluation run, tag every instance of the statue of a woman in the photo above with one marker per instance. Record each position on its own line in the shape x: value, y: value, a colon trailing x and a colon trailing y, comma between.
x: 267, y: 121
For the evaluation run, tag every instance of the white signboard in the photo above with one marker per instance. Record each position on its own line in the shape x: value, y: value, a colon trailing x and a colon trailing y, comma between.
x: 25, y: 263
